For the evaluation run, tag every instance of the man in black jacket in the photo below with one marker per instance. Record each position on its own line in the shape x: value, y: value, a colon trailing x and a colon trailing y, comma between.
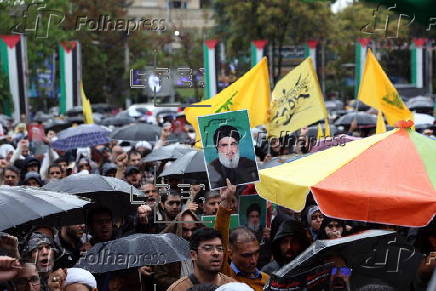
x: 290, y: 241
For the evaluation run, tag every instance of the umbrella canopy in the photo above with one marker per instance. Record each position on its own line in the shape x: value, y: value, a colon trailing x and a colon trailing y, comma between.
x: 192, y: 162
x: 135, y: 251
x: 363, y: 119
x: 118, y: 121
x: 137, y: 132
x: 333, y: 105
x: 56, y: 125
x: 363, y: 180
x: 19, y: 205
x: 359, y: 105
x: 359, y: 253
x: 169, y: 152
x: 84, y: 135
x: 420, y: 102
x: 423, y: 120
x: 109, y: 192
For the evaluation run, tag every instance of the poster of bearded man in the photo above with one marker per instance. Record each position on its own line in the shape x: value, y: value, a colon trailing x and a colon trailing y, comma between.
x: 228, y: 148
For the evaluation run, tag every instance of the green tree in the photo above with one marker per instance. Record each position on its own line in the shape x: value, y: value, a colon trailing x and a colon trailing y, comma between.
x: 281, y: 22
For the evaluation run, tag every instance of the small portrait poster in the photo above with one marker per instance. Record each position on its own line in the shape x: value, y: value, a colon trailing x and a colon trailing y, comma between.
x: 228, y: 148
x: 252, y: 212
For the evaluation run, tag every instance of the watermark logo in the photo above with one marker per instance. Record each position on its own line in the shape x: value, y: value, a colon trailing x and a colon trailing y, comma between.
x: 139, y: 79
x: 106, y: 258
x: 37, y: 19
x: 388, y: 26
x: 105, y: 23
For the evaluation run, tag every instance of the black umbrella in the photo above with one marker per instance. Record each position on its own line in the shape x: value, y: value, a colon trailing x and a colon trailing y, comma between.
x: 169, y: 152
x: 137, y: 132
x: 76, y: 110
x: 191, y: 163
x: 118, y: 121
x: 109, y: 192
x: 41, y: 117
x: 334, y: 105
x: 56, y: 125
x: 75, y: 119
x: 135, y: 251
x: 419, y: 102
x: 362, y: 118
x: 359, y: 105
x: 20, y: 205
x: 370, y: 254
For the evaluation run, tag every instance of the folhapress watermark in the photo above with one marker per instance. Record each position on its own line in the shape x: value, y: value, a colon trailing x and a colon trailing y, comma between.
x: 106, y: 258
x: 105, y: 23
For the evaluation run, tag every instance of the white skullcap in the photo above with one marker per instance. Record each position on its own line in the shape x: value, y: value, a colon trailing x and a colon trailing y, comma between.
x: 81, y: 276
x: 235, y: 286
x: 144, y: 144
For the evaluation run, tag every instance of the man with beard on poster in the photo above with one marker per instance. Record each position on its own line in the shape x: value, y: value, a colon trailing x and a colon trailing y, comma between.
x: 253, y: 220
x: 229, y: 164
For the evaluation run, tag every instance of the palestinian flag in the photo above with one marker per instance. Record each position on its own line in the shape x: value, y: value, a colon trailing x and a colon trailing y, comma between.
x: 70, y: 72
x: 13, y: 60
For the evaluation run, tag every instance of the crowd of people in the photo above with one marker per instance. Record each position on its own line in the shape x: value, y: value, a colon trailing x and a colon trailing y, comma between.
x: 44, y: 257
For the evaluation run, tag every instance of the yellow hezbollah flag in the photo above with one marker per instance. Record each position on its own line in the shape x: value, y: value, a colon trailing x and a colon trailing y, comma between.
x: 86, y: 105
x: 381, y: 126
x: 376, y: 90
x: 251, y: 92
x: 297, y: 101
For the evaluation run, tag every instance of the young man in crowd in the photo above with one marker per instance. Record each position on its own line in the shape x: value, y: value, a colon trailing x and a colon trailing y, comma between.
x: 55, y: 172
x: 207, y: 253
x: 100, y: 225
x: 170, y: 205
x: 211, y: 203
x: 242, y: 245
x: 11, y: 176
x: 133, y: 176
x: 134, y: 158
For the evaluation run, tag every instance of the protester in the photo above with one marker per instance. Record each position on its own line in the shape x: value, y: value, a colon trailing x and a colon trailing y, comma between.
x: 207, y: 254
x: 27, y: 279
x: 55, y: 172
x: 314, y: 220
x: 211, y: 202
x: 167, y: 274
x: 100, y: 225
x: 331, y: 228
x: 11, y: 176
x: 152, y: 194
x: 134, y: 158
x: 170, y: 205
x: 33, y: 179
x: 290, y: 241
x: 133, y: 176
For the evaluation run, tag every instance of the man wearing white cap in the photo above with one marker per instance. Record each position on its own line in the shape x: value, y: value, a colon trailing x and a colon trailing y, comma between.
x: 73, y: 279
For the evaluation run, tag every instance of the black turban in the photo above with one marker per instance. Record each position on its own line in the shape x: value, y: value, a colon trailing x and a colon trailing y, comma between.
x: 225, y: 131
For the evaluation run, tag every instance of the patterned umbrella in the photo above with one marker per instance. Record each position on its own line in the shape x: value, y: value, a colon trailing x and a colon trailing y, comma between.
x: 386, y: 178
x: 84, y: 135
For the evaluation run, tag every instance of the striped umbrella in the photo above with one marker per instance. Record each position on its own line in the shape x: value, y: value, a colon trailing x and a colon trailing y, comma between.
x: 84, y: 135
x: 386, y: 178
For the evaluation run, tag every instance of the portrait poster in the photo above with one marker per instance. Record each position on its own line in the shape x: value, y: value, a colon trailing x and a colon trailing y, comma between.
x: 252, y: 211
x: 228, y: 148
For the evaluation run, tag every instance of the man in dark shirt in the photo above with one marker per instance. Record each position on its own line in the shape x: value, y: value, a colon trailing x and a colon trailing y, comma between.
x: 229, y: 164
